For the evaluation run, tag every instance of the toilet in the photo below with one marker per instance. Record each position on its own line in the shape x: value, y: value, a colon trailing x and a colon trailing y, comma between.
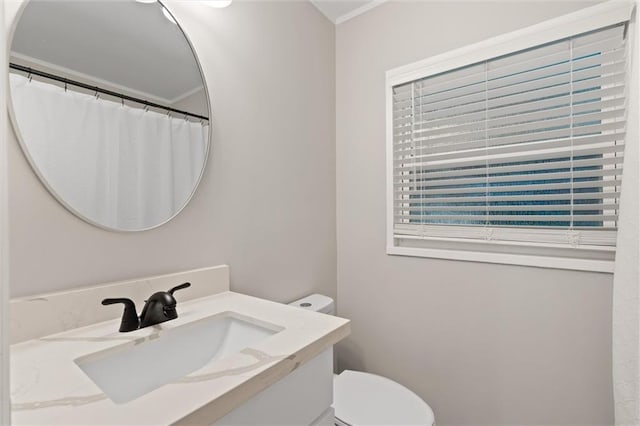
x: 368, y: 399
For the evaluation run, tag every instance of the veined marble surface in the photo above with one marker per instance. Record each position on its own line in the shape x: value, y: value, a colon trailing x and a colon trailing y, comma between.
x: 47, y: 387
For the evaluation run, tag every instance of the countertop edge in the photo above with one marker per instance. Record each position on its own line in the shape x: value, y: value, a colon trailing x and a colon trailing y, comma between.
x: 223, y: 405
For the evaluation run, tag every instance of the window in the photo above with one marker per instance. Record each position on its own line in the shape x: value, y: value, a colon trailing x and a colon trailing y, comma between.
x: 520, y: 149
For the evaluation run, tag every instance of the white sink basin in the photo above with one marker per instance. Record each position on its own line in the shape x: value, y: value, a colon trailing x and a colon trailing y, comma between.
x: 131, y: 370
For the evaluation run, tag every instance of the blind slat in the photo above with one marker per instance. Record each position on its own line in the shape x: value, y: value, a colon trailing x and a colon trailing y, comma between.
x: 515, y: 169
x: 511, y: 207
x: 605, y: 236
x: 588, y: 125
x: 456, y: 154
x: 534, y: 186
x: 510, y: 198
x: 583, y: 174
x: 506, y: 158
x: 509, y: 218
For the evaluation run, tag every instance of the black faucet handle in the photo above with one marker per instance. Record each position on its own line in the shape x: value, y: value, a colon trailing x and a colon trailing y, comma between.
x: 130, y: 320
x: 179, y: 287
x: 113, y: 301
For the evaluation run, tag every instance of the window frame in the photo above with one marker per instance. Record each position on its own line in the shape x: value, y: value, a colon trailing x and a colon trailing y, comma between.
x: 514, y: 253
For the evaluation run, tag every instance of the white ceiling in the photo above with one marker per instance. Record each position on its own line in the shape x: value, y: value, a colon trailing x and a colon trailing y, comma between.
x: 339, y: 11
x: 129, y: 44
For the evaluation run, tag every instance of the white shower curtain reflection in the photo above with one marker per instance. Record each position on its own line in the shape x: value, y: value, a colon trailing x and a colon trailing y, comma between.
x: 120, y: 167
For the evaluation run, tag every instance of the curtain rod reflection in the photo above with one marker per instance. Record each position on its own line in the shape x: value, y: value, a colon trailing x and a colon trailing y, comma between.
x: 97, y: 89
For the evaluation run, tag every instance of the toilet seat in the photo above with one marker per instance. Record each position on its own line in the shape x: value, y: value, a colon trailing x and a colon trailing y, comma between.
x: 368, y: 399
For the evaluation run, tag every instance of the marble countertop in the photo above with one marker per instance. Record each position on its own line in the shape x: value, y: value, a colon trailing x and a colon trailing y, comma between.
x: 47, y: 387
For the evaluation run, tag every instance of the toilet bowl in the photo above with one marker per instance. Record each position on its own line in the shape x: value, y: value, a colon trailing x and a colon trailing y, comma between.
x: 361, y: 398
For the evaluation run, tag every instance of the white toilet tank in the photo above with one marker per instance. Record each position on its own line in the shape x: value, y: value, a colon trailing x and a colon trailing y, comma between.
x: 317, y: 303
x: 367, y: 399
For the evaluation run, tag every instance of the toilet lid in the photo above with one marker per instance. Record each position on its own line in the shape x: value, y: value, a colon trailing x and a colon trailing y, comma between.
x: 367, y: 399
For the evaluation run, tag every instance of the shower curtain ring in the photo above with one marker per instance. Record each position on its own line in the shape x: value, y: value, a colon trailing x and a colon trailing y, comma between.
x: 30, y: 76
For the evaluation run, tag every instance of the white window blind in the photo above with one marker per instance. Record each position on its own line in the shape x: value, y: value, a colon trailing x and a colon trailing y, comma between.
x: 525, y: 148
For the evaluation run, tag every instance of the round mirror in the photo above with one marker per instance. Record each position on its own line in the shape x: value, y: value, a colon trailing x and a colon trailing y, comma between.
x: 110, y: 108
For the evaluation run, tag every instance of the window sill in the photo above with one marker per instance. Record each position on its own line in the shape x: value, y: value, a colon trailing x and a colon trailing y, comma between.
x: 539, y: 257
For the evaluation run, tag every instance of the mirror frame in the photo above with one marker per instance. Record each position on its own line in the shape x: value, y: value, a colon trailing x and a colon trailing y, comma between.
x: 32, y: 163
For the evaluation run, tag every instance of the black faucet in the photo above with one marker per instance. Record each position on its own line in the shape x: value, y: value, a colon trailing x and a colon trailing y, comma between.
x: 160, y: 307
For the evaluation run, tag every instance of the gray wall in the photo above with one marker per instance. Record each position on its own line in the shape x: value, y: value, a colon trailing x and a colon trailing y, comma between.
x: 266, y: 205
x: 483, y: 344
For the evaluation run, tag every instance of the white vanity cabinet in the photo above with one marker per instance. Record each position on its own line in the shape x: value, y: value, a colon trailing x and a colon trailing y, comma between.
x: 303, y: 397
